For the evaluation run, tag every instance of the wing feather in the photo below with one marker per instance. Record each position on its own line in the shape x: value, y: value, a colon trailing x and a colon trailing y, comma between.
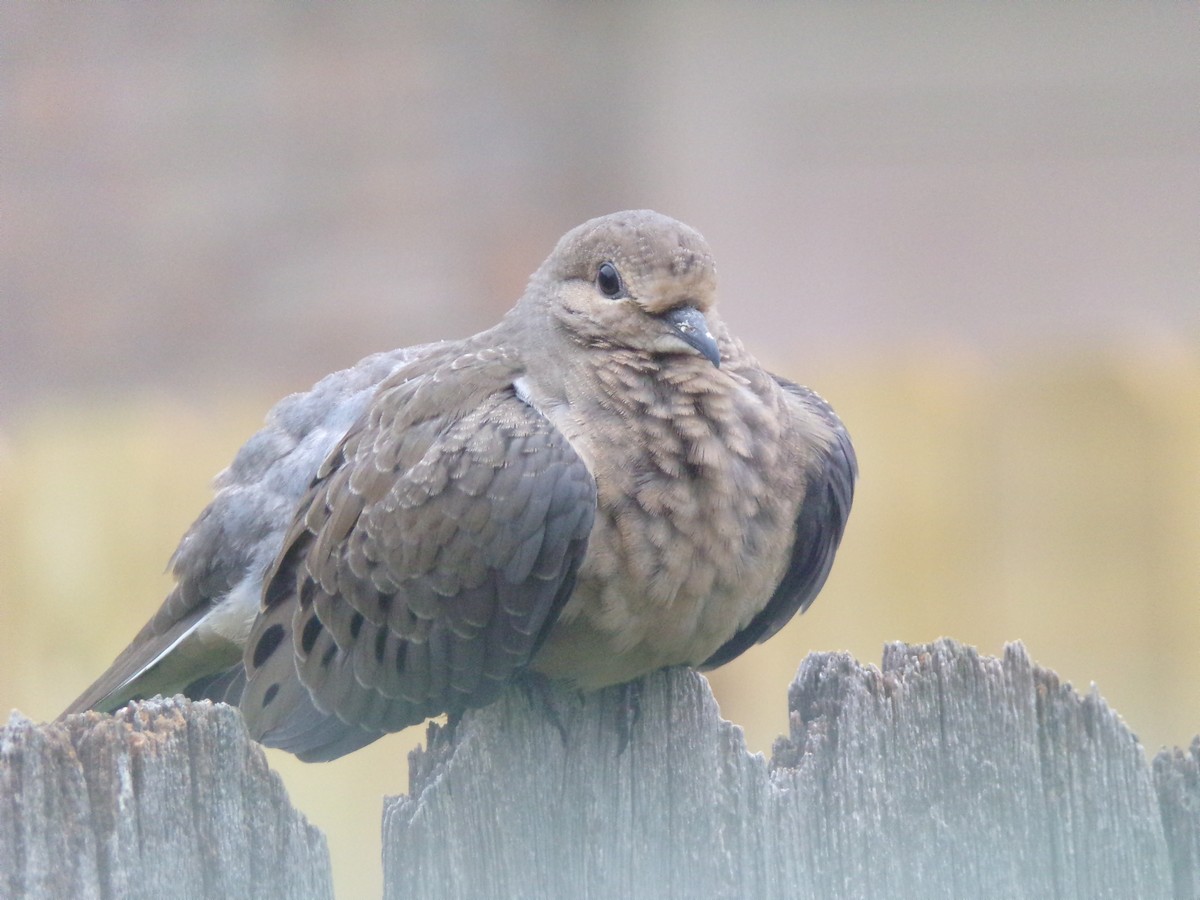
x: 475, y: 531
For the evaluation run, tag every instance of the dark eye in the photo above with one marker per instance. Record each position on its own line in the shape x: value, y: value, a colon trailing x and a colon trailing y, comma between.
x: 608, y: 279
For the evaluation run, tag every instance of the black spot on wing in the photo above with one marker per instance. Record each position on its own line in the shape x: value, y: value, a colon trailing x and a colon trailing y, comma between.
x: 312, y: 630
x: 267, y: 644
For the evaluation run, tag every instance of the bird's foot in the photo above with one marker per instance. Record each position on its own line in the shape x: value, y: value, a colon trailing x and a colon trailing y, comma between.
x: 540, y: 693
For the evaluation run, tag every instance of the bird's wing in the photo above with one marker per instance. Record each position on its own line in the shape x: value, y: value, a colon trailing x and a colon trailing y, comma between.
x: 220, y: 563
x: 433, y: 553
x: 820, y: 523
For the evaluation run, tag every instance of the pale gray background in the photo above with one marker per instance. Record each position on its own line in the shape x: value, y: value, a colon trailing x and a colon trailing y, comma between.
x: 197, y: 196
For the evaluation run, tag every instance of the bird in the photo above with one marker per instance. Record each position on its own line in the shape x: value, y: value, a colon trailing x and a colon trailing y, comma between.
x: 603, y: 484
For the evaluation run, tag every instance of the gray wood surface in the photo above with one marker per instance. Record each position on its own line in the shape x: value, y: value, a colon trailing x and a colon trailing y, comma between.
x: 166, y: 799
x: 940, y: 774
x: 1177, y: 776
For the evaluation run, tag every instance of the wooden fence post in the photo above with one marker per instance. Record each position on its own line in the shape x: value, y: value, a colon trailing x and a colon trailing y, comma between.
x: 1177, y: 777
x: 167, y: 799
x: 940, y: 774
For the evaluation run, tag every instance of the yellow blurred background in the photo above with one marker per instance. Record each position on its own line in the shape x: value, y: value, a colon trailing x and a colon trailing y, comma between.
x: 975, y: 230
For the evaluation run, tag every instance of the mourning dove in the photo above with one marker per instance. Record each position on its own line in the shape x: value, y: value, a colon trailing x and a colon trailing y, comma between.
x: 603, y: 484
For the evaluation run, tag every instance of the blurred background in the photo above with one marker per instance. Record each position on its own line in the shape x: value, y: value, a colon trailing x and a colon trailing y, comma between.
x: 974, y: 229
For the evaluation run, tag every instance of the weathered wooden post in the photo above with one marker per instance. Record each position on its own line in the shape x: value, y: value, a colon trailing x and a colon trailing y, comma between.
x: 941, y: 774
x: 1177, y: 777
x: 167, y: 799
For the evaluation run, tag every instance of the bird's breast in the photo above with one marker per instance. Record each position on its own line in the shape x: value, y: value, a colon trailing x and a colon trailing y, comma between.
x: 692, y: 533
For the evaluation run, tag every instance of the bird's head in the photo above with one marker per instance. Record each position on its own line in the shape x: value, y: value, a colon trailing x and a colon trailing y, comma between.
x: 636, y: 280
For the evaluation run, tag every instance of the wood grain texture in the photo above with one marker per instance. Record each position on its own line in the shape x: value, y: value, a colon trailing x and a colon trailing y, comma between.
x: 1177, y: 776
x: 940, y: 774
x: 165, y: 799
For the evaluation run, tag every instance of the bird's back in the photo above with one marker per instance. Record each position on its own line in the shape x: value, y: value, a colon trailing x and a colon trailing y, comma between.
x: 194, y: 642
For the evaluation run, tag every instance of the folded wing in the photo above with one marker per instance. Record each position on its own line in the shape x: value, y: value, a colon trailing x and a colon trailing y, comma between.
x: 432, y: 554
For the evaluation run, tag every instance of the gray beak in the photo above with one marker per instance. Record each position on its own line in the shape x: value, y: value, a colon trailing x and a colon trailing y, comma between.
x: 689, y: 323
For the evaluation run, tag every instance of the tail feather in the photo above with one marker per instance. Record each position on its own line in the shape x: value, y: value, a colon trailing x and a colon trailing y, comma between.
x: 166, y: 663
x: 224, y: 687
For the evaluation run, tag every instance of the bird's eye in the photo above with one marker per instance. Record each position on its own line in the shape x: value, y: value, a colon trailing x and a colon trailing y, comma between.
x: 608, y: 279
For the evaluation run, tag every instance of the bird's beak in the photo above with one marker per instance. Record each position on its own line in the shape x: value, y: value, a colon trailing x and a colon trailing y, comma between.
x: 689, y: 323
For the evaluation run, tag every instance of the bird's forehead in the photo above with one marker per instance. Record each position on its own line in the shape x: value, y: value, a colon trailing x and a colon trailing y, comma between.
x: 650, y: 250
